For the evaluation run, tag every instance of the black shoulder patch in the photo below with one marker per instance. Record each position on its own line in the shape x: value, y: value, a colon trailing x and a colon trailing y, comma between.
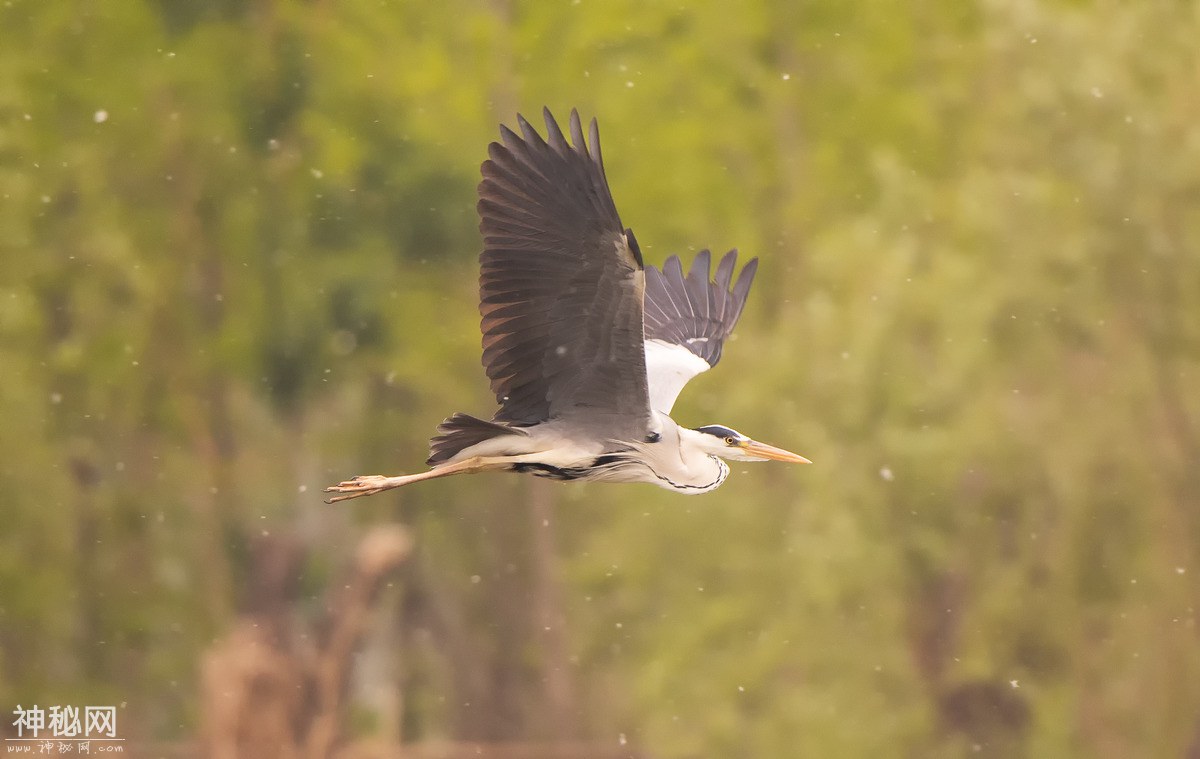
x: 633, y: 247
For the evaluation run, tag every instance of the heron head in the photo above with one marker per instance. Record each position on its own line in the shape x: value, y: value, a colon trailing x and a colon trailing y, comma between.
x: 731, y: 444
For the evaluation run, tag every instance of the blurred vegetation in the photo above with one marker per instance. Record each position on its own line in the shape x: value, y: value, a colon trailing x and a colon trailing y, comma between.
x: 237, y: 263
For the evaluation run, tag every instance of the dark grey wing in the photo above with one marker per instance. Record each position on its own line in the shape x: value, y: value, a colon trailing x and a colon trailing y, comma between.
x: 688, y: 319
x: 561, y: 286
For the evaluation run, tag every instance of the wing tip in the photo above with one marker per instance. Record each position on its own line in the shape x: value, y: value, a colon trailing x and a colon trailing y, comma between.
x: 555, y: 138
x: 527, y: 131
x: 746, y: 276
x: 554, y: 134
x: 594, y: 139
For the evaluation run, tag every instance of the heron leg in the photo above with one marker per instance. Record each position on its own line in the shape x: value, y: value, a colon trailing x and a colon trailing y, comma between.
x: 370, y: 484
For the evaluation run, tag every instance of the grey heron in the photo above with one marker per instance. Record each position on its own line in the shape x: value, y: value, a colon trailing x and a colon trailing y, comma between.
x: 585, y: 346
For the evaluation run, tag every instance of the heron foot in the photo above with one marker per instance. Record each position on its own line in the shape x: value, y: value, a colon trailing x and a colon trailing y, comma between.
x: 356, y: 487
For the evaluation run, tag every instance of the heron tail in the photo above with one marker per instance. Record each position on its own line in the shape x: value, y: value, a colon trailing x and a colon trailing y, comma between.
x: 459, y: 432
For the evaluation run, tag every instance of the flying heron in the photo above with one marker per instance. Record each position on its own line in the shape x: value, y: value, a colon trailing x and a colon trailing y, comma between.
x: 585, y: 346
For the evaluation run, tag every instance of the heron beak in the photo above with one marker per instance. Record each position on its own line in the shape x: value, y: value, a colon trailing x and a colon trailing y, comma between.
x: 762, y: 450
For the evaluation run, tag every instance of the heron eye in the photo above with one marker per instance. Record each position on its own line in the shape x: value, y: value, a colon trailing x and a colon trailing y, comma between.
x: 730, y: 440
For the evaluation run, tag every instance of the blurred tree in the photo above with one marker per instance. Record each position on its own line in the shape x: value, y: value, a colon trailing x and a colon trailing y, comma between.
x: 237, y: 261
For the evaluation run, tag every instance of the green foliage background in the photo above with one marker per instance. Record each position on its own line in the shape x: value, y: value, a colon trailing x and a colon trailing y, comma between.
x: 237, y: 263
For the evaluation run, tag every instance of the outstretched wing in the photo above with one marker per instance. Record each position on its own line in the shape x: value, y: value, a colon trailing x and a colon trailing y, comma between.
x: 561, y: 287
x: 688, y: 319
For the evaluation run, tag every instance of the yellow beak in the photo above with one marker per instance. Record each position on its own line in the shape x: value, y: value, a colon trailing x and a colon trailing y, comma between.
x: 755, y: 448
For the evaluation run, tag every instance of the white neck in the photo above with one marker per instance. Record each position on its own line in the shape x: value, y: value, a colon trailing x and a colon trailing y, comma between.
x: 682, y: 460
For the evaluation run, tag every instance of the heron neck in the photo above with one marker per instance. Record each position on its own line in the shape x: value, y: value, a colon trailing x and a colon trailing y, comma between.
x: 686, y: 466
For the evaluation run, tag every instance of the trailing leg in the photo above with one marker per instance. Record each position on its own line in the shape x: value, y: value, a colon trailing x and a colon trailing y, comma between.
x: 370, y: 484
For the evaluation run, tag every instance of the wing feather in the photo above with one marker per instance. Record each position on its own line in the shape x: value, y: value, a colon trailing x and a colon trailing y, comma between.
x: 561, y: 286
x: 688, y: 318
